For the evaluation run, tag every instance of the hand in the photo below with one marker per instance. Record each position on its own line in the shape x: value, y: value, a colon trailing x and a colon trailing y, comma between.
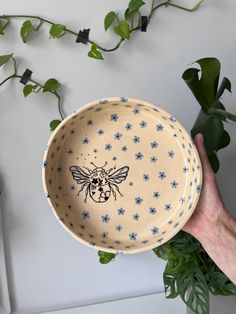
x: 211, y: 223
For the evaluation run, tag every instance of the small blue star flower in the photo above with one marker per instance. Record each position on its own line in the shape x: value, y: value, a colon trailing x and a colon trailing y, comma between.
x: 119, y: 228
x: 143, y: 124
x: 124, y: 148
x: 114, y: 158
x: 144, y: 241
x: 105, y: 218
x: 159, y: 127
x: 190, y: 206
x: 133, y: 236
x: 85, y: 214
x: 185, y: 169
x: 114, y: 117
x: 136, y: 216
x: 118, y: 135
x: 108, y: 146
x: 85, y: 140
x: 136, y: 139
x: 153, y: 159
x: 170, y: 222
x: 198, y: 188
x: 90, y: 122
x: 104, y: 235
x: 154, y: 230
x: 121, y: 211
x: 123, y: 99
x: 128, y: 126
x: 167, y: 207
x: 162, y: 175
x: 139, y: 156
x: 174, y: 184
x: 156, y: 194
x: 104, y: 101
x: 172, y: 119
x: 136, y: 111
x: 100, y: 131
x: 171, y: 154
x: 154, y: 144
x: 152, y: 210
x: 145, y: 177
x: 138, y: 200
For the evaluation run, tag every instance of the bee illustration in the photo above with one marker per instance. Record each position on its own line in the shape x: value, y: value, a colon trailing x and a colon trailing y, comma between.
x: 99, y: 183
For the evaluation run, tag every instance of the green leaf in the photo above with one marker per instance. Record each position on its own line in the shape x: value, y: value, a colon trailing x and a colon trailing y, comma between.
x: 212, y: 129
x: 204, y: 88
x: 95, y: 52
x: 134, y: 6
x: 5, y: 58
x: 193, y: 289
x: 109, y: 19
x: 170, y: 283
x: 25, y: 31
x: 105, y: 257
x: 123, y: 29
x: 214, y: 161
x: 51, y: 85
x: 28, y: 89
x: 224, y: 141
x: 219, y: 284
x: 53, y: 124
x: 226, y: 84
x: 1, y: 28
x: 57, y: 30
x: 223, y: 113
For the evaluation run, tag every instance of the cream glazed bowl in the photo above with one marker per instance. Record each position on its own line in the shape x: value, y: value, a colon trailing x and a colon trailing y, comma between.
x: 121, y: 175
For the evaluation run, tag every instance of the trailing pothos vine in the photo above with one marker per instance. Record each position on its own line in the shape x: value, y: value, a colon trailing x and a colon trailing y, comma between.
x: 190, y: 273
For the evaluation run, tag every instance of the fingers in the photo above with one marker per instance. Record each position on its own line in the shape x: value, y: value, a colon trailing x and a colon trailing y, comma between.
x: 206, y: 166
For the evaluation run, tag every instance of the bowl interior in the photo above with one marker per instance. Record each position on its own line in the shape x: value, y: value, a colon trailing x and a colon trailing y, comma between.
x: 122, y: 175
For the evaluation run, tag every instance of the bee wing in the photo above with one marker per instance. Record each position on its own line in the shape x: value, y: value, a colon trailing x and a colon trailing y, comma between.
x: 79, y: 174
x: 119, y: 175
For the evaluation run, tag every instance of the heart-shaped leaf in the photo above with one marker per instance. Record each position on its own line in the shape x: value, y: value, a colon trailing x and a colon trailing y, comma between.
x: 123, y: 29
x: 134, y: 6
x: 224, y: 141
x: 109, y: 19
x: 57, y: 30
x: 204, y: 88
x: 51, y: 85
x: 28, y: 89
x: 53, y: 124
x: 105, y: 257
x: 5, y: 58
x: 95, y: 52
x: 25, y: 31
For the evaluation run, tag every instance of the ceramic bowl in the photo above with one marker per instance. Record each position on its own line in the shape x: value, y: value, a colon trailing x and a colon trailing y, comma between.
x: 121, y: 175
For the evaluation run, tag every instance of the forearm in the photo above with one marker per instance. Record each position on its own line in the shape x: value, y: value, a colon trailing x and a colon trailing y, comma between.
x: 219, y: 241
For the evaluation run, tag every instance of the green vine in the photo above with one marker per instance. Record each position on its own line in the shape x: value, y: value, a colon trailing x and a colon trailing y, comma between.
x: 124, y: 27
x: 50, y: 86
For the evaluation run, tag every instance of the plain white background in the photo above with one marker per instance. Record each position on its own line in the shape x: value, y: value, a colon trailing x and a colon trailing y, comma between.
x: 47, y: 268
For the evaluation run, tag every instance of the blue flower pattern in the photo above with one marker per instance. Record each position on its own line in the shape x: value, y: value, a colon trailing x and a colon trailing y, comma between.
x: 139, y: 200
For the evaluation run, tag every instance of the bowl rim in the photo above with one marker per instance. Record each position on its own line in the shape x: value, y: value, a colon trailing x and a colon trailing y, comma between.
x: 44, y: 169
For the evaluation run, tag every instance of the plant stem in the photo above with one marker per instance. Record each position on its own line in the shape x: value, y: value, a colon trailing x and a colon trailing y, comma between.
x: 152, y: 11
x: 199, y: 256
x: 8, y: 78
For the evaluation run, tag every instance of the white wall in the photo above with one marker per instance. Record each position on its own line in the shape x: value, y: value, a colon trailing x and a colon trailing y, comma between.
x: 47, y: 268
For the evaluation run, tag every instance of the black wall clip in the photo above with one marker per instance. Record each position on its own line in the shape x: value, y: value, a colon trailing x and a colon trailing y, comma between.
x: 26, y: 76
x: 144, y: 23
x: 83, y: 36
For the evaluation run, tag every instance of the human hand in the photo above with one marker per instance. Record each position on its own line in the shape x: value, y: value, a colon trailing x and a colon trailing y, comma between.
x: 211, y: 223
